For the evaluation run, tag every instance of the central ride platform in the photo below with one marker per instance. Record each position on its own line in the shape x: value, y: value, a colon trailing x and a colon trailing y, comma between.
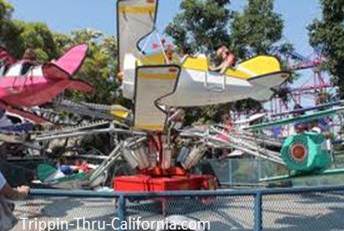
x: 159, y: 180
x: 146, y: 183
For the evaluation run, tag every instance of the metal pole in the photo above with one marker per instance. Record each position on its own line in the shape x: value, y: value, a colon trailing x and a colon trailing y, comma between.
x: 230, y: 171
x: 121, y: 210
x: 258, y: 216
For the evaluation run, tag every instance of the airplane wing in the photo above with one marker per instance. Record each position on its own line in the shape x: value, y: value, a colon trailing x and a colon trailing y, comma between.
x: 79, y: 85
x: 72, y: 60
x: 135, y: 20
x: 67, y: 65
x: 27, y: 115
x: 31, y: 99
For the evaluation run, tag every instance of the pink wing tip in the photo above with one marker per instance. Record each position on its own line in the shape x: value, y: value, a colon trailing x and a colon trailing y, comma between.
x: 72, y: 60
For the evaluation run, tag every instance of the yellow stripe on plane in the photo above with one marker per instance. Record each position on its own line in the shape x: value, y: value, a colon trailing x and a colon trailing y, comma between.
x: 150, y: 127
x: 256, y: 66
x: 120, y: 113
x: 163, y: 76
x: 196, y: 63
x: 137, y: 9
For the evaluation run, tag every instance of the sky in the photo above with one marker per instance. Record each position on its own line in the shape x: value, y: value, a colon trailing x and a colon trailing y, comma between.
x: 67, y: 15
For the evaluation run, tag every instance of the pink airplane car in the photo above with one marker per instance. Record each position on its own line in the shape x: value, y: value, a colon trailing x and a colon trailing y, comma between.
x: 24, y: 84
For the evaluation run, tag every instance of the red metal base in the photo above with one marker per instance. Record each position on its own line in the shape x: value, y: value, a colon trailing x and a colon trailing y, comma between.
x: 147, y: 183
x: 158, y: 179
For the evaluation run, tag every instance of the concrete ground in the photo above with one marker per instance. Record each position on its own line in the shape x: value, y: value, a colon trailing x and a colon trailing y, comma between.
x: 312, y: 211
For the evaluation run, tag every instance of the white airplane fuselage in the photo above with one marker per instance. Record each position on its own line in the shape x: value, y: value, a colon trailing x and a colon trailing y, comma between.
x: 199, y: 88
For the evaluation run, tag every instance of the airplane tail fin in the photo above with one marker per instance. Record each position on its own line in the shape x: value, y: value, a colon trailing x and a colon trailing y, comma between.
x: 67, y: 65
x: 264, y: 85
x: 80, y: 86
x: 264, y: 72
x: 44, y: 171
x: 256, y: 66
x: 72, y: 60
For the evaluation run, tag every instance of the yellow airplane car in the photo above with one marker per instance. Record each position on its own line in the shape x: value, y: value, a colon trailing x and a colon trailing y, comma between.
x: 155, y: 85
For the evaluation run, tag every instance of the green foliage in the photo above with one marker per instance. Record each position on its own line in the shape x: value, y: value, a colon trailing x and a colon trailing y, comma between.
x: 36, y: 36
x: 327, y: 35
x: 201, y: 25
x: 206, y: 114
x: 256, y: 30
x: 8, y: 31
x: 62, y: 41
x: 99, y: 67
x: 17, y: 35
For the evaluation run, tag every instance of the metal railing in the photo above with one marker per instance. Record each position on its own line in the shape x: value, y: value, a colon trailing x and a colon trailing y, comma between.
x: 258, y: 196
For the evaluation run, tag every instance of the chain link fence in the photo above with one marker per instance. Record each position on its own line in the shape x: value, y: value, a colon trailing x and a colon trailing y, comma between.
x: 216, y: 213
x: 316, y: 208
x: 236, y: 172
x: 318, y: 211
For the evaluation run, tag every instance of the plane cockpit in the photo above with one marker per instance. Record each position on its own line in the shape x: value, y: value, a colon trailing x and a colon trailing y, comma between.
x: 20, y: 68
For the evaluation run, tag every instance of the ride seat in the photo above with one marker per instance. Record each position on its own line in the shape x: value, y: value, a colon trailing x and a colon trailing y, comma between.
x: 20, y: 68
x: 3, y: 68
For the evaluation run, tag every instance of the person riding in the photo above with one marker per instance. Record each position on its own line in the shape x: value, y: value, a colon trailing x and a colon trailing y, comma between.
x: 169, y: 52
x: 30, y: 60
x: 226, y: 59
x: 6, y: 60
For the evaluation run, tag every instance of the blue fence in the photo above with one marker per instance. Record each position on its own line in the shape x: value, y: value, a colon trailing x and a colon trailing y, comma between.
x: 251, y: 209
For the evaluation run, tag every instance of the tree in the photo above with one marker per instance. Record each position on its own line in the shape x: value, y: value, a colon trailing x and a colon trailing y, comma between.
x: 201, y: 25
x: 256, y: 30
x: 17, y: 35
x: 8, y: 30
x: 36, y: 36
x: 5, y: 15
x: 99, y: 68
x: 327, y: 36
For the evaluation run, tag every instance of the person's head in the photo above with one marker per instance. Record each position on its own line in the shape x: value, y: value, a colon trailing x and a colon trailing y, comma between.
x: 30, y: 54
x: 222, y: 51
x: 185, y: 50
x: 226, y: 117
x: 169, y: 50
x: 120, y: 76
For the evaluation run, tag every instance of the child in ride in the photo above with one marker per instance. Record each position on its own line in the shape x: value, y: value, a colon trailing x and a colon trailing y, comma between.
x: 226, y: 59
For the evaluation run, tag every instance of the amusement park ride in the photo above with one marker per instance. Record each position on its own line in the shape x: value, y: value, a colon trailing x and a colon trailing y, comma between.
x: 313, y: 88
x: 159, y: 89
